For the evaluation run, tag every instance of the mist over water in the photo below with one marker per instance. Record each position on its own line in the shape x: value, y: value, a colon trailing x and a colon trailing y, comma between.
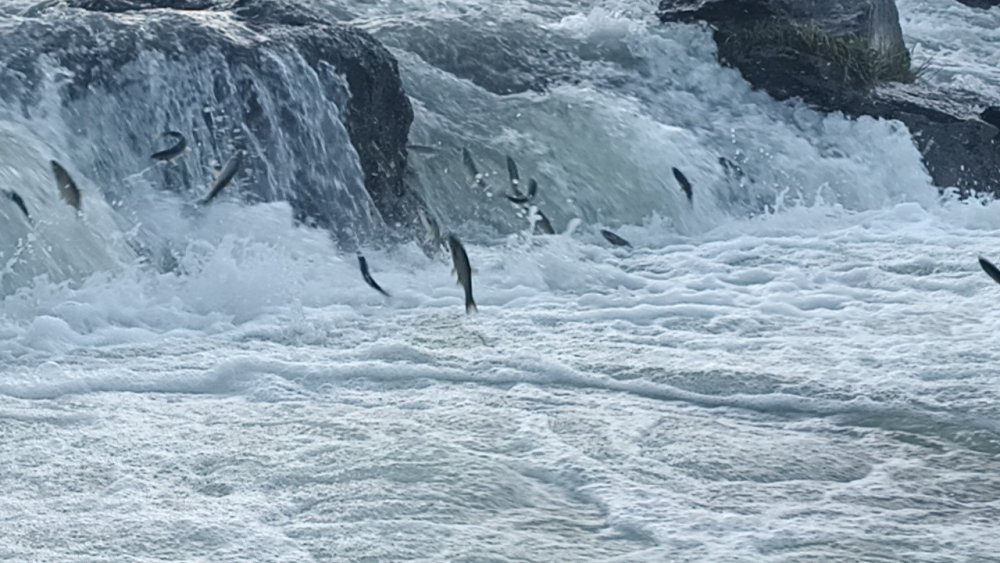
x: 798, y: 365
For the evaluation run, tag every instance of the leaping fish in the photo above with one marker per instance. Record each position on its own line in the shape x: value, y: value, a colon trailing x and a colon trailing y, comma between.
x: 432, y: 233
x: 173, y: 151
x: 614, y: 239
x: 734, y: 170
x: 422, y: 149
x: 685, y: 184
x: 990, y: 269
x: 19, y: 202
x: 66, y: 186
x: 224, y: 177
x: 523, y: 199
x: 515, y: 176
x: 368, y: 277
x: 542, y: 224
x: 472, y: 169
x: 461, y: 261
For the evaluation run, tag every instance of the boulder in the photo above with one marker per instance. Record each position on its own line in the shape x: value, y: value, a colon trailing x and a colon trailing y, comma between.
x: 984, y: 4
x: 263, y: 51
x: 850, y: 56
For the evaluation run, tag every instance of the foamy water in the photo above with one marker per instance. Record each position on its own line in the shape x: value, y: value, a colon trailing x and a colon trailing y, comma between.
x: 804, y: 372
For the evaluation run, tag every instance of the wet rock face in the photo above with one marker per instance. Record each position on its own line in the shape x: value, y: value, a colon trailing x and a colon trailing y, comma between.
x: 96, y: 38
x: 984, y: 4
x: 824, y: 52
x: 850, y: 57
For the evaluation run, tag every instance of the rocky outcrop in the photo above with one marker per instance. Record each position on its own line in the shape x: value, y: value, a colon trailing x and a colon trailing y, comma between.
x: 849, y: 56
x: 259, y: 42
x: 984, y: 4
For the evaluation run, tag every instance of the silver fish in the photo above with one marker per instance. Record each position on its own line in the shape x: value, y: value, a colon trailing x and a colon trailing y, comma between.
x: 461, y: 261
x: 990, y: 269
x: 19, y: 202
x: 685, y: 184
x: 542, y: 224
x: 67, y: 187
x: 422, y: 149
x: 224, y: 177
x: 523, y: 199
x: 432, y: 233
x: 472, y: 169
x: 614, y: 239
x: 368, y: 277
x: 173, y: 151
x: 730, y: 167
x: 515, y: 176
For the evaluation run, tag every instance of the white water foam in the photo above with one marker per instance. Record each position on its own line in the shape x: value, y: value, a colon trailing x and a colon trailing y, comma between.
x: 816, y: 381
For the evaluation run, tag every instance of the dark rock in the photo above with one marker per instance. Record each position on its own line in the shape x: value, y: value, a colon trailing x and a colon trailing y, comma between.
x: 959, y: 149
x: 850, y: 57
x: 991, y: 115
x: 984, y: 4
x: 96, y: 39
x: 827, y: 53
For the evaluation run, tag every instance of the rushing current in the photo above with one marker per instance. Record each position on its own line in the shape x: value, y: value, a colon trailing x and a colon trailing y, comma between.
x: 801, y: 364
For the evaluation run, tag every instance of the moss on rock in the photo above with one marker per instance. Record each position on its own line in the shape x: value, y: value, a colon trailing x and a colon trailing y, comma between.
x: 849, y: 60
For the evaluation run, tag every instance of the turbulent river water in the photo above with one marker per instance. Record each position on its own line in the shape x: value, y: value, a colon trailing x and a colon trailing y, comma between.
x: 799, y: 365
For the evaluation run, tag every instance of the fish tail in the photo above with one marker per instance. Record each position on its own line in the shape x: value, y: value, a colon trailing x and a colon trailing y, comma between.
x: 470, y: 307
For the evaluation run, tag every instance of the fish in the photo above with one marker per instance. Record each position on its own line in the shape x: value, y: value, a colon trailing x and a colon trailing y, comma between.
x: 734, y: 170
x: 368, y: 277
x: 730, y: 167
x: 224, y: 177
x: 464, y: 271
x: 19, y: 202
x: 990, y: 269
x: 432, y: 233
x: 471, y: 168
x: 422, y: 149
x: 685, y: 185
x: 515, y: 177
x: 615, y: 239
x: 523, y: 199
x: 67, y: 187
x: 172, y: 151
x: 542, y: 224
x: 470, y: 164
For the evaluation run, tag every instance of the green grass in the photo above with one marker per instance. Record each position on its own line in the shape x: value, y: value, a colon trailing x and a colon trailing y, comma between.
x: 848, y: 59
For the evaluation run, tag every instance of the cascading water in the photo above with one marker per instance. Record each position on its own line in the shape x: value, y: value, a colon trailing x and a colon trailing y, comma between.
x: 289, y: 125
x: 644, y: 99
x: 798, y: 365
